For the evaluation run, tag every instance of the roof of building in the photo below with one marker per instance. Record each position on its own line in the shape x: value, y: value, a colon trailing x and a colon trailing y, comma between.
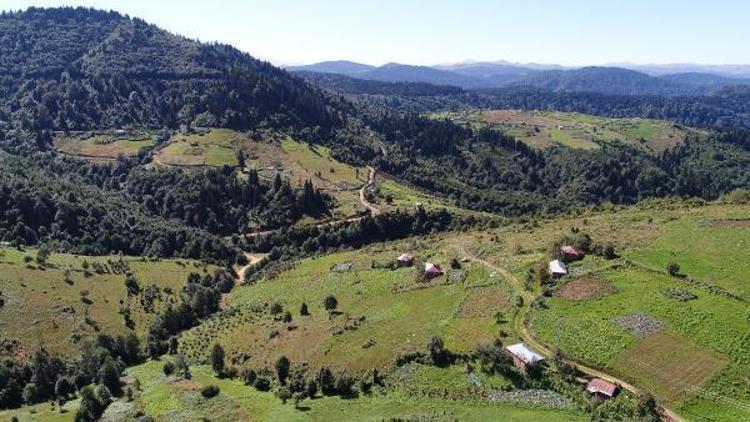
x: 405, y: 257
x: 557, y: 267
x: 598, y: 385
x: 571, y: 250
x: 525, y: 353
x: 429, y: 267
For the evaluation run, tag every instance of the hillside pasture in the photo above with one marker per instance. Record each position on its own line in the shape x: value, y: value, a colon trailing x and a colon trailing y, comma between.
x: 292, y: 160
x: 544, y: 129
x: 168, y: 398
x: 57, y: 305
x: 102, y: 146
x: 382, y: 313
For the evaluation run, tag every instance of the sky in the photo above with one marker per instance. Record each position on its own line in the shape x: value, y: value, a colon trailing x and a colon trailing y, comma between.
x: 426, y: 32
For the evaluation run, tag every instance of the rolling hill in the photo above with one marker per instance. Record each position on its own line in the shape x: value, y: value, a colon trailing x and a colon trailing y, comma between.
x: 597, y: 79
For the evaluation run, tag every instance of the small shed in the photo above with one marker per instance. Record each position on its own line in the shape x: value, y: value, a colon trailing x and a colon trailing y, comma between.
x: 405, y: 260
x: 523, y: 355
x: 599, y: 387
x: 557, y: 268
x: 571, y: 252
x: 432, y: 270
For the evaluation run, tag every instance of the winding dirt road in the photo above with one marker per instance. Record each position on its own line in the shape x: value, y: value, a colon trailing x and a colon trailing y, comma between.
x: 519, y: 324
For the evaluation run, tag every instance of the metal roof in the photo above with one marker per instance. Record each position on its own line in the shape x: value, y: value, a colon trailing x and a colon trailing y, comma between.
x: 598, y: 385
x: 524, y: 353
x: 557, y: 267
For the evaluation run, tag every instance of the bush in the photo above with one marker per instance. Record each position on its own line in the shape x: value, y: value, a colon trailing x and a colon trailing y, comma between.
x: 673, y: 268
x: 330, y: 303
x: 262, y: 384
x: 210, y: 391
x: 168, y: 368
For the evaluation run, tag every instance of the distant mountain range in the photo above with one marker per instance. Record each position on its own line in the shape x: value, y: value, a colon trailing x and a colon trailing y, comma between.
x: 624, y: 79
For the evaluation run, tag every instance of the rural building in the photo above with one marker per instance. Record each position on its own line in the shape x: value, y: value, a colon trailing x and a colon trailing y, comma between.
x: 405, y: 260
x: 523, y: 355
x: 599, y: 387
x: 571, y: 252
x: 557, y: 268
x: 432, y: 270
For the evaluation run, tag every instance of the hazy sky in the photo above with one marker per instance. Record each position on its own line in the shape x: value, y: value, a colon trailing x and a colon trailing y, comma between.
x: 570, y: 32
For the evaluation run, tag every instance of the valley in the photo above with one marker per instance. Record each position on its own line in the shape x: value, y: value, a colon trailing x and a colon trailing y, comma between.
x: 190, y: 233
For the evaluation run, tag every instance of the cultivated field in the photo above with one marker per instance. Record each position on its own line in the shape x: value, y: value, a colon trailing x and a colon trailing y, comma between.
x: 543, y: 129
x: 58, y: 305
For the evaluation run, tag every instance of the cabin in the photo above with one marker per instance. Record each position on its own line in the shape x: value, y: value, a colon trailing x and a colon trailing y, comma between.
x: 571, y: 252
x: 523, y: 355
x: 557, y: 268
x: 405, y: 260
x: 432, y: 270
x: 600, y: 388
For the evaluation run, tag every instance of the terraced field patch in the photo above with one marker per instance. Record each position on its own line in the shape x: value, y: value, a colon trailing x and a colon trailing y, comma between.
x: 669, y: 365
x: 585, y: 288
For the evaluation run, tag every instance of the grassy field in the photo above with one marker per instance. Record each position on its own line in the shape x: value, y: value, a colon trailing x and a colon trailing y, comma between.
x: 169, y: 399
x: 371, y: 301
x: 102, y: 146
x: 293, y: 160
x: 58, y: 305
x: 543, y: 129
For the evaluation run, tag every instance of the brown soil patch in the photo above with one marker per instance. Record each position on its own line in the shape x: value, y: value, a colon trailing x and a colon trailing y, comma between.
x: 586, y: 288
x: 483, y: 302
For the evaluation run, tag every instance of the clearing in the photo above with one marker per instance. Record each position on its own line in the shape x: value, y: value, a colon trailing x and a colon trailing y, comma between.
x: 543, y: 129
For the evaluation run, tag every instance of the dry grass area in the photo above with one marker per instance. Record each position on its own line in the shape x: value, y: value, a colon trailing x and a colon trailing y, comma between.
x: 102, y: 147
x: 670, y: 366
x: 585, y: 288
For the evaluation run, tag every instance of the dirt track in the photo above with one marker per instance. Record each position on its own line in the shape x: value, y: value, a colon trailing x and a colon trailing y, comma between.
x: 519, y: 324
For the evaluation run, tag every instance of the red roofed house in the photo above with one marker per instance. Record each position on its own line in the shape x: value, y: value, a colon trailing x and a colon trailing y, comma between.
x: 432, y: 270
x: 571, y: 252
x: 601, y: 388
x: 405, y: 260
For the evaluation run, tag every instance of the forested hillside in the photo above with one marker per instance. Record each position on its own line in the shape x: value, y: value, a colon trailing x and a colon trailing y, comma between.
x: 85, y: 69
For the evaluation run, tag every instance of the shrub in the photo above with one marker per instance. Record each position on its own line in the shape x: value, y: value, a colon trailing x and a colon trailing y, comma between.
x: 262, y: 384
x: 673, y: 268
x: 330, y: 303
x: 217, y: 358
x: 303, y: 310
x: 276, y: 308
x: 210, y: 391
x: 168, y: 368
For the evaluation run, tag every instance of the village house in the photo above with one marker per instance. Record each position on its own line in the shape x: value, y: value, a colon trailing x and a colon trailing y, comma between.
x: 523, y: 355
x: 571, y: 252
x: 557, y: 268
x: 432, y: 270
x: 405, y: 260
x: 601, y: 388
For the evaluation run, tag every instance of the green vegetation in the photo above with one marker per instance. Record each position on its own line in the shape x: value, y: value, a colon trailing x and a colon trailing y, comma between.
x: 103, y: 146
x: 543, y: 129
x: 71, y: 298
x: 216, y: 148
